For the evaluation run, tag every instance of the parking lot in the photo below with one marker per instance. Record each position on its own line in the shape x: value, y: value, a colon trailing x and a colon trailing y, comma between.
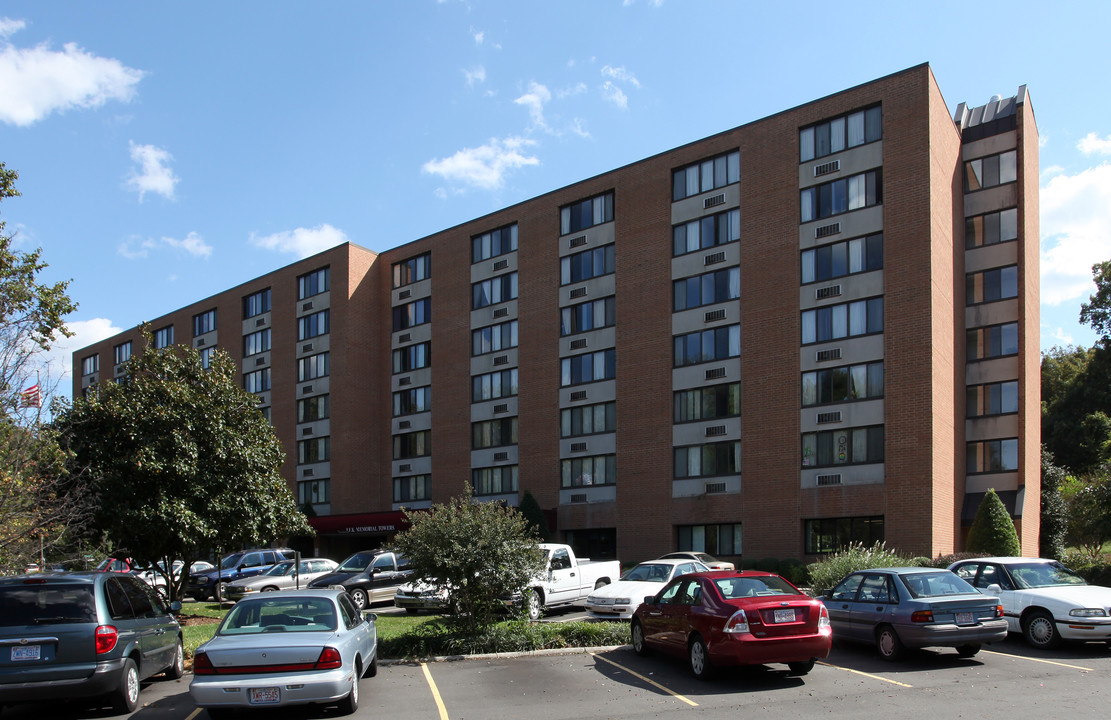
x: 1006, y: 680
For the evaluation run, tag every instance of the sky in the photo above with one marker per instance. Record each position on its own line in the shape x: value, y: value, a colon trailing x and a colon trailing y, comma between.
x: 168, y: 151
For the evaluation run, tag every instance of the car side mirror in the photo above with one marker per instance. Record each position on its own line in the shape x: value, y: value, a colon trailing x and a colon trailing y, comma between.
x: 369, y: 616
x: 994, y: 588
x: 650, y: 599
x: 175, y: 606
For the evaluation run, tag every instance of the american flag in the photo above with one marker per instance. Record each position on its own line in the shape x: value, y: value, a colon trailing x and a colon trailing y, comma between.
x: 31, y: 397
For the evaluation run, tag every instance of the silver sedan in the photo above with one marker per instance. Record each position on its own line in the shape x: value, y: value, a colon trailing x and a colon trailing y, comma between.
x: 280, y: 577
x: 291, y: 647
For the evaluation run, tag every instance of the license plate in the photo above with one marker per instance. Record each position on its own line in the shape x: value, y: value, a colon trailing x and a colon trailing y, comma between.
x: 26, y: 652
x: 965, y: 618
x: 263, y: 696
x: 782, y: 616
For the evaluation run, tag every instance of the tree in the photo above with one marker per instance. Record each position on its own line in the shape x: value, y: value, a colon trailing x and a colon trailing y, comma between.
x: 182, y: 459
x: 993, y: 532
x: 535, y: 517
x: 1088, y: 506
x: 1076, y: 406
x: 1097, y: 311
x: 40, y: 506
x: 1054, y: 519
x: 481, y: 552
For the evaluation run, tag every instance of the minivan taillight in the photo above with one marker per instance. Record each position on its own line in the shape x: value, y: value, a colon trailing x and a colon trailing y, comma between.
x: 329, y: 659
x: 106, y: 637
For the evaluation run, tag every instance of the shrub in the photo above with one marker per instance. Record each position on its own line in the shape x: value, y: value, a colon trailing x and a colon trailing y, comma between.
x: 827, y: 572
x: 1095, y: 573
x: 944, y: 561
x: 993, y: 532
x: 919, y: 561
x: 439, y: 638
x: 794, y: 571
x: 768, y: 565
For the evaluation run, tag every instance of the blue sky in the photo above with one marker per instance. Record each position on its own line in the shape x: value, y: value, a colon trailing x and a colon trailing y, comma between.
x: 168, y: 151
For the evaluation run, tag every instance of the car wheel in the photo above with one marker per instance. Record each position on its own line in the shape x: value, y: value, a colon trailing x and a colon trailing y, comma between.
x: 125, y: 698
x: 699, y: 658
x: 350, y: 704
x: 533, y: 604
x: 801, y: 668
x: 221, y: 591
x: 358, y: 598
x: 269, y: 588
x: 601, y: 583
x: 372, y: 669
x: 889, y: 644
x: 639, y: 646
x: 175, y: 671
x: 968, y: 650
x: 1039, y: 630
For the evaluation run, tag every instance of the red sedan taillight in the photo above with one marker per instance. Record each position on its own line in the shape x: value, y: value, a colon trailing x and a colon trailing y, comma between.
x: 329, y: 659
x: 736, y: 624
x: 106, y: 637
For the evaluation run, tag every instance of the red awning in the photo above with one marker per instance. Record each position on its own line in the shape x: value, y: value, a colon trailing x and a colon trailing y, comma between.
x: 382, y: 523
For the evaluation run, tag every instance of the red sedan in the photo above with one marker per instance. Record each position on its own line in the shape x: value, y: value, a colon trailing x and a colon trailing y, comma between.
x: 733, y: 618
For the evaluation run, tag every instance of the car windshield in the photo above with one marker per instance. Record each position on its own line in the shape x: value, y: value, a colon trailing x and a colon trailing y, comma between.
x: 281, y: 614
x: 649, y: 572
x: 937, y: 584
x: 284, y: 568
x: 757, y: 586
x: 1036, y: 575
x: 42, y: 604
x: 357, y: 562
x: 231, y: 561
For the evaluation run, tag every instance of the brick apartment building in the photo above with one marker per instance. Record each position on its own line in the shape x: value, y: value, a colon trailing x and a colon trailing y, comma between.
x: 815, y: 328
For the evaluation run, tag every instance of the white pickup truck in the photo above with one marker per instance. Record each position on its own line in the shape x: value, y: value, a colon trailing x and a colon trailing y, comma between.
x: 569, y: 580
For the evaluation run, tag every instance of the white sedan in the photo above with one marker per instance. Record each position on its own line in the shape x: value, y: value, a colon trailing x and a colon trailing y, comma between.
x: 1042, y: 599
x: 618, y: 600
x: 290, y: 647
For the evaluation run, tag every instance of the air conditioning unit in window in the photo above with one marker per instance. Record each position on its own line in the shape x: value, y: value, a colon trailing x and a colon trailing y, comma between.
x: 834, y: 479
x: 825, y: 293
x: 827, y: 355
x: 578, y: 395
x: 713, y: 201
x: 578, y: 497
x: 714, y: 258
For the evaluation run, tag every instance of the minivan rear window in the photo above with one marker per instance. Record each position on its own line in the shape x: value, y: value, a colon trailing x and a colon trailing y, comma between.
x: 43, y: 604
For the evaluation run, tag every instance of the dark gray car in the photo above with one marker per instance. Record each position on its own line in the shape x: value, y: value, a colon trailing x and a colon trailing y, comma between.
x: 84, y: 635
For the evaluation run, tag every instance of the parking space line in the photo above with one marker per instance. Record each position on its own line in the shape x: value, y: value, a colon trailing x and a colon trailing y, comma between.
x: 1032, y: 659
x: 867, y: 675
x: 435, y: 691
x: 195, y: 713
x: 653, y: 683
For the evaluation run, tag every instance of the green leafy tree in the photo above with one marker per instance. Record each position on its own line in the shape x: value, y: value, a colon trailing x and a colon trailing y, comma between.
x: 1097, y: 311
x: 482, y: 552
x: 993, y: 531
x: 183, y: 459
x: 1088, y: 507
x: 1054, y: 518
x: 535, y: 517
x: 1076, y: 406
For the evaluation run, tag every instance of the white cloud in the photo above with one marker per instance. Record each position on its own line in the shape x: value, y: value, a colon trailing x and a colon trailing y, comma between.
x: 193, y: 244
x: 534, y: 100
x: 578, y: 127
x: 478, y: 36
x: 153, y: 173
x: 86, y: 332
x: 485, y: 166
x: 577, y: 89
x: 620, y: 73
x: 1092, y: 144
x: 615, y: 95
x: 135, y: 248
x: 301, y: 242
x: 1059, y: 334
x: 38, y: 81
x: 476, y: 74
x: 1076, y: 232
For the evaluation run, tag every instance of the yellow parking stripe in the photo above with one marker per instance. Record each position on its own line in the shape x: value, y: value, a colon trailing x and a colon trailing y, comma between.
x: 194, y: 714
x: 435, y: 691
x: 867, y: 675
x: 653, y: 683
x: 1031, y: 659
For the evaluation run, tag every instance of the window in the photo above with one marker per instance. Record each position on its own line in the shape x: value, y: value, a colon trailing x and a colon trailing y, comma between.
x: 164, y: 337
x: 992, y: 399
x: 843, y: 384
x: 587, y: 471
x: 707, y: 289
x: 312, y: 409
x: 90, y: 364
x: 587, y: 368
x: 311, y: 326
x: 411, y: 358
x: 708, y: 345
x: 588, y: 420
x: 991, y: 228
x: 257, y: 381
x: 720, y: 458
x: 412, y: 270
x: 313, y: 283
x: 123, y: 352
x: 587, y: 316
x: 991, y: 285
x: 492, y: 386
x: 204, y: 323
x: 990, y: 171
x: 265, y: 412
x: 494, y: 243
x: 414, y: 487
x: 493, y: 433
x: 858, y: 255
x: 843, y: 446
x: 494, y: 338
x: 717, y: 540
x: 832, y: 534
x: 706, y: 232
x: 586, y: 213
x: 845, y: 131
x: 990, y: 456
x: 862, y: 317
x: 412, y: 314
x: 312, y: 367
x: 841, y: 196
x: 708, y: 403
x: 494, y: 480
x: 411, y: 445
x: 706, y: 176
x: 314, y: 450
x: 256, y: 342
x: 586, y: 264
x: 413, y: 400
x: 312, y: 492
x: 256, y: 303
x: 993, y: 341
x: 206, y: 356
